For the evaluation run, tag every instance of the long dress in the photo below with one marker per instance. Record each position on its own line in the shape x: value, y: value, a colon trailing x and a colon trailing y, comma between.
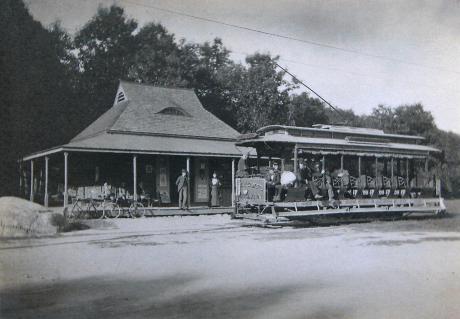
x: 215, y: 184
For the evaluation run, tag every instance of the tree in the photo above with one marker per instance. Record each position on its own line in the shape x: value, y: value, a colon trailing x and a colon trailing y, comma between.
x: 213, y: 63
x: 106, y: 47
x: 259, y: 95
x: 413, y: 119
x: 36, y: 92
x: 307, y: 111
x: 157, y: 58
x: 64, y: 48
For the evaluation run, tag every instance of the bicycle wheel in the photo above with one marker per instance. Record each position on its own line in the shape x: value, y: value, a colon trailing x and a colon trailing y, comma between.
x: 106, y: 207
x: 136, y: 210
x: 114, y: 211
x: 94, y: 212
x: 75, y: 211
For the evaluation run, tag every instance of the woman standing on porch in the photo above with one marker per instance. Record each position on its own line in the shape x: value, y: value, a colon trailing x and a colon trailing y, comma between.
x: 215, y: 188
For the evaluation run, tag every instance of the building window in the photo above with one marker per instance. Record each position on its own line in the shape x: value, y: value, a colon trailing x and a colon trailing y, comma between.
x: 174, y: 111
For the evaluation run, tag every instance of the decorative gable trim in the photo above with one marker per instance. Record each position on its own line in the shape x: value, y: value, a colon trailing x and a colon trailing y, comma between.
x: 120, y: 96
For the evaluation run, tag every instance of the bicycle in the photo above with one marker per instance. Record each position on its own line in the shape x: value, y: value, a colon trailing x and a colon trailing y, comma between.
x: 110, y: 208
x: 85, y: 208
x: 136, y: 209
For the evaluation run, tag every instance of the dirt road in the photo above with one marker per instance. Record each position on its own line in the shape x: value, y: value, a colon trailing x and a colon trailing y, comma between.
x: 213, y: 267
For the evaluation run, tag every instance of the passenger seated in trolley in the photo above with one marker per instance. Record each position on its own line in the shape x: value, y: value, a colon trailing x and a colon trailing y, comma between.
x: 275, y: 190
x: 330, y: 166
x: 337, y: 183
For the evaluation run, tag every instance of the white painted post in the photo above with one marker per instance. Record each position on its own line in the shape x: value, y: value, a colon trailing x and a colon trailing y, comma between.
x: 323, y: 169
x: 359, y: 166
x: 46, y: 181
x: 407, y: 172
x: 20, y: 179
x: 233, y: 182
x: 341, y: 170
x: 189, y: 192
x: 295, y: 160
x: 376, y: 167
x: 66, y: 155
x: 135, y: 177
x: 392, y: 168
x: 32, y: 180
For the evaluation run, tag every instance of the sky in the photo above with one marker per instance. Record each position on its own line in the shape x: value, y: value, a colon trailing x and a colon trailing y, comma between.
x: 355, y: 53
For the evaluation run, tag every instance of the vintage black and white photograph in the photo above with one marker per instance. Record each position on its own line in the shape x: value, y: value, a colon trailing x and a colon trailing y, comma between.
x: 257, y: 159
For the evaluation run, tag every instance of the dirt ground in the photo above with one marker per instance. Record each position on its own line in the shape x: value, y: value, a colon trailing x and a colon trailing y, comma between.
x: 214, y: 267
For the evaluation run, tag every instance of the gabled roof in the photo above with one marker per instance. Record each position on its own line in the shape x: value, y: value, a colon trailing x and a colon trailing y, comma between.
x: 153, y: 120
x: 142, y: 113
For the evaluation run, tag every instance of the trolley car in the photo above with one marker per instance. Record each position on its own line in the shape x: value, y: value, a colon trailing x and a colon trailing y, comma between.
x: 336, y: 171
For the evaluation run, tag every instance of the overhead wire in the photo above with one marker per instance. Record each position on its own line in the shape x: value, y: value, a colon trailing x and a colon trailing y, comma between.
x: 287, y: 37
x: 342, y: 115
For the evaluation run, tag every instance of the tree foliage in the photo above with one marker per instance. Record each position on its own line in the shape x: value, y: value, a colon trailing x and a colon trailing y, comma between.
x: 105, y: 48
x: 259, y: 94
x: 37, y: 108
x: 54, y: 85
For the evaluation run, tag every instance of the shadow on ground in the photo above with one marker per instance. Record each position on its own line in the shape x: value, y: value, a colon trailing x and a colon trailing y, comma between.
x: 172, y: 297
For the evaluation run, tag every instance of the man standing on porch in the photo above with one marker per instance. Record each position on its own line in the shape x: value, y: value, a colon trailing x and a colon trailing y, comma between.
x: 181, y: 184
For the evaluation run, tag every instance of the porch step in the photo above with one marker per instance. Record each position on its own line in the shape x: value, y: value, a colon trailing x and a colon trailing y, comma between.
x: 193, y: 211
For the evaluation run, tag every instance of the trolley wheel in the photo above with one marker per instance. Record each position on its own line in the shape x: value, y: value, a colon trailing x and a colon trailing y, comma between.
x: 136, y: 210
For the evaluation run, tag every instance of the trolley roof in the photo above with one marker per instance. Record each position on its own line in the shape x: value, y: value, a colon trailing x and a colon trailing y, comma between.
x: 332, y: 139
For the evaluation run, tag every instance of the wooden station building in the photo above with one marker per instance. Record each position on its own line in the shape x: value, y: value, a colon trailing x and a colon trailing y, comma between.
x: 140, y: 144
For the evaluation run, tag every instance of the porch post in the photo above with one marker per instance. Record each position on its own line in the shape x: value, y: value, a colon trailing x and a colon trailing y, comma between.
x: 426, y: 164
x: 407, y: 172
x: 295, y: 160
x: 376, y: 166
x: 20, y: 179
x: 31, y: 180
x: 323, y: 169
x: 392, y: 169
x: 282, y: 164
x: 341, y: 162
x: 46, y: 181
x: 135, y: 177
x: 233, y: 182
x: 66, y: 155
x: 359, y: 166
x: 189, y: 193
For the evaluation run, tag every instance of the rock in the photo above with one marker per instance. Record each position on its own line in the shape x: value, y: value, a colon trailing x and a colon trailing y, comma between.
x: 22, y: 218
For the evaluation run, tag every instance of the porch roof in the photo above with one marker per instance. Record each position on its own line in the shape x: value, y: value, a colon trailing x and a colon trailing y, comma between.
x: 109, y: 142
